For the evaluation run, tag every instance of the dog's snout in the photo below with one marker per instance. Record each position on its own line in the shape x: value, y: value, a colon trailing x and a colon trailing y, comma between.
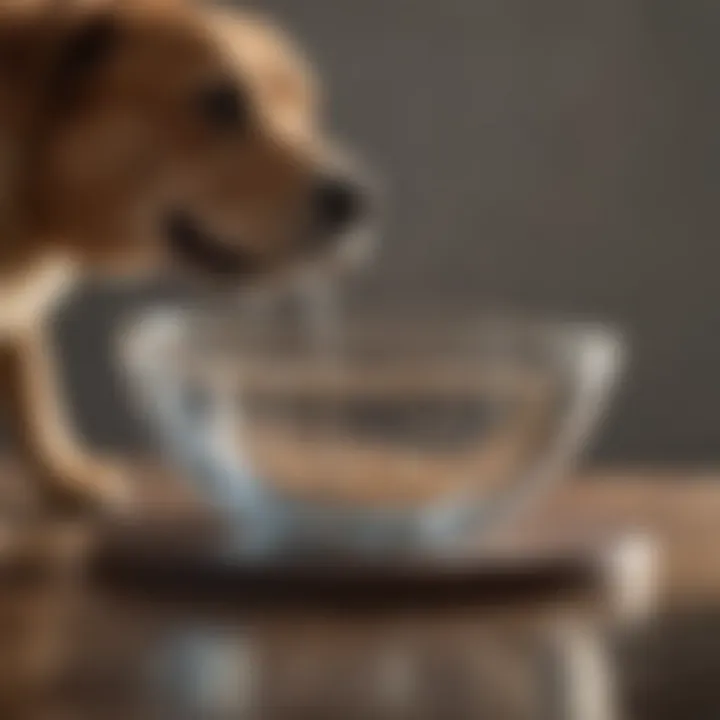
x: 339, y: 203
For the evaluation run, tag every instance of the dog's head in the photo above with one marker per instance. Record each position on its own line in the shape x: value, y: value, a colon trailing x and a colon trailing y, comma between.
x: 171, y: 131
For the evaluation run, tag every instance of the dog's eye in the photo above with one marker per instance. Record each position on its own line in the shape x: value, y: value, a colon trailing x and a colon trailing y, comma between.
x: 223, y: 106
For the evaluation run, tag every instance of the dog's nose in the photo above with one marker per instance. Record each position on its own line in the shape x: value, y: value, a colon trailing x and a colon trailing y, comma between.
x: 339, y: 203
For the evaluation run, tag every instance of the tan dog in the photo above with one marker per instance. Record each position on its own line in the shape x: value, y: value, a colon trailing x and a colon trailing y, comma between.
x: 137, y: 134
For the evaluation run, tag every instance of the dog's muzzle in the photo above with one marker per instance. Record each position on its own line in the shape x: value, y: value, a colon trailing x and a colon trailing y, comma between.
x: 337, y: 206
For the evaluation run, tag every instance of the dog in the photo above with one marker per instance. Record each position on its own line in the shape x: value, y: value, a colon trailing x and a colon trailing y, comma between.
x: 137, y: 137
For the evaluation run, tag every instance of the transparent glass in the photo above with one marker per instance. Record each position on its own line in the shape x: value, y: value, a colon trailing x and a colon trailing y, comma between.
x: 378, y: 434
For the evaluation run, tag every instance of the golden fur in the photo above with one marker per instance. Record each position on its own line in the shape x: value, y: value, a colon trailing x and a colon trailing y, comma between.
x: 95, y: 146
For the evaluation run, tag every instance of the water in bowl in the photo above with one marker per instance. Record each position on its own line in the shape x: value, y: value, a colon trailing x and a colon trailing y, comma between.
x: 302, y: 426
x: 349, y: 440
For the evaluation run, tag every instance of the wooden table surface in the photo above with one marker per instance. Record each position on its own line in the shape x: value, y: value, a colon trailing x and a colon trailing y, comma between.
x: 680, y: 509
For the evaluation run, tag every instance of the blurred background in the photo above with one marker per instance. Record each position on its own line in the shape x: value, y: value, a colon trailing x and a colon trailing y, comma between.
x: 557, y: 157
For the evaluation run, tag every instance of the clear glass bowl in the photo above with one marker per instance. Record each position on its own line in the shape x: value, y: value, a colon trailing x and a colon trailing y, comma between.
x: 375, y: 435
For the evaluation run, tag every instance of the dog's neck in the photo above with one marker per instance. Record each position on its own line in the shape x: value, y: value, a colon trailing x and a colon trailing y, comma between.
x: 32, y: 274
x: 24, y: 52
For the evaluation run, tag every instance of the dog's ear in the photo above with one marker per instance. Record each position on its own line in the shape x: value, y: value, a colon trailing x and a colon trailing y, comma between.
x: 82, y: 52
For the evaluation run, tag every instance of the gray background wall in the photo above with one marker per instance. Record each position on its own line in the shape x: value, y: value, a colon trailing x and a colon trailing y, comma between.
x: 558, y: 155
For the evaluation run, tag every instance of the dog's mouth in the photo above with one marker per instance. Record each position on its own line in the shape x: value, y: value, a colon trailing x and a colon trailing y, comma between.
x: 211, y: 254
x: 206, y: 251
